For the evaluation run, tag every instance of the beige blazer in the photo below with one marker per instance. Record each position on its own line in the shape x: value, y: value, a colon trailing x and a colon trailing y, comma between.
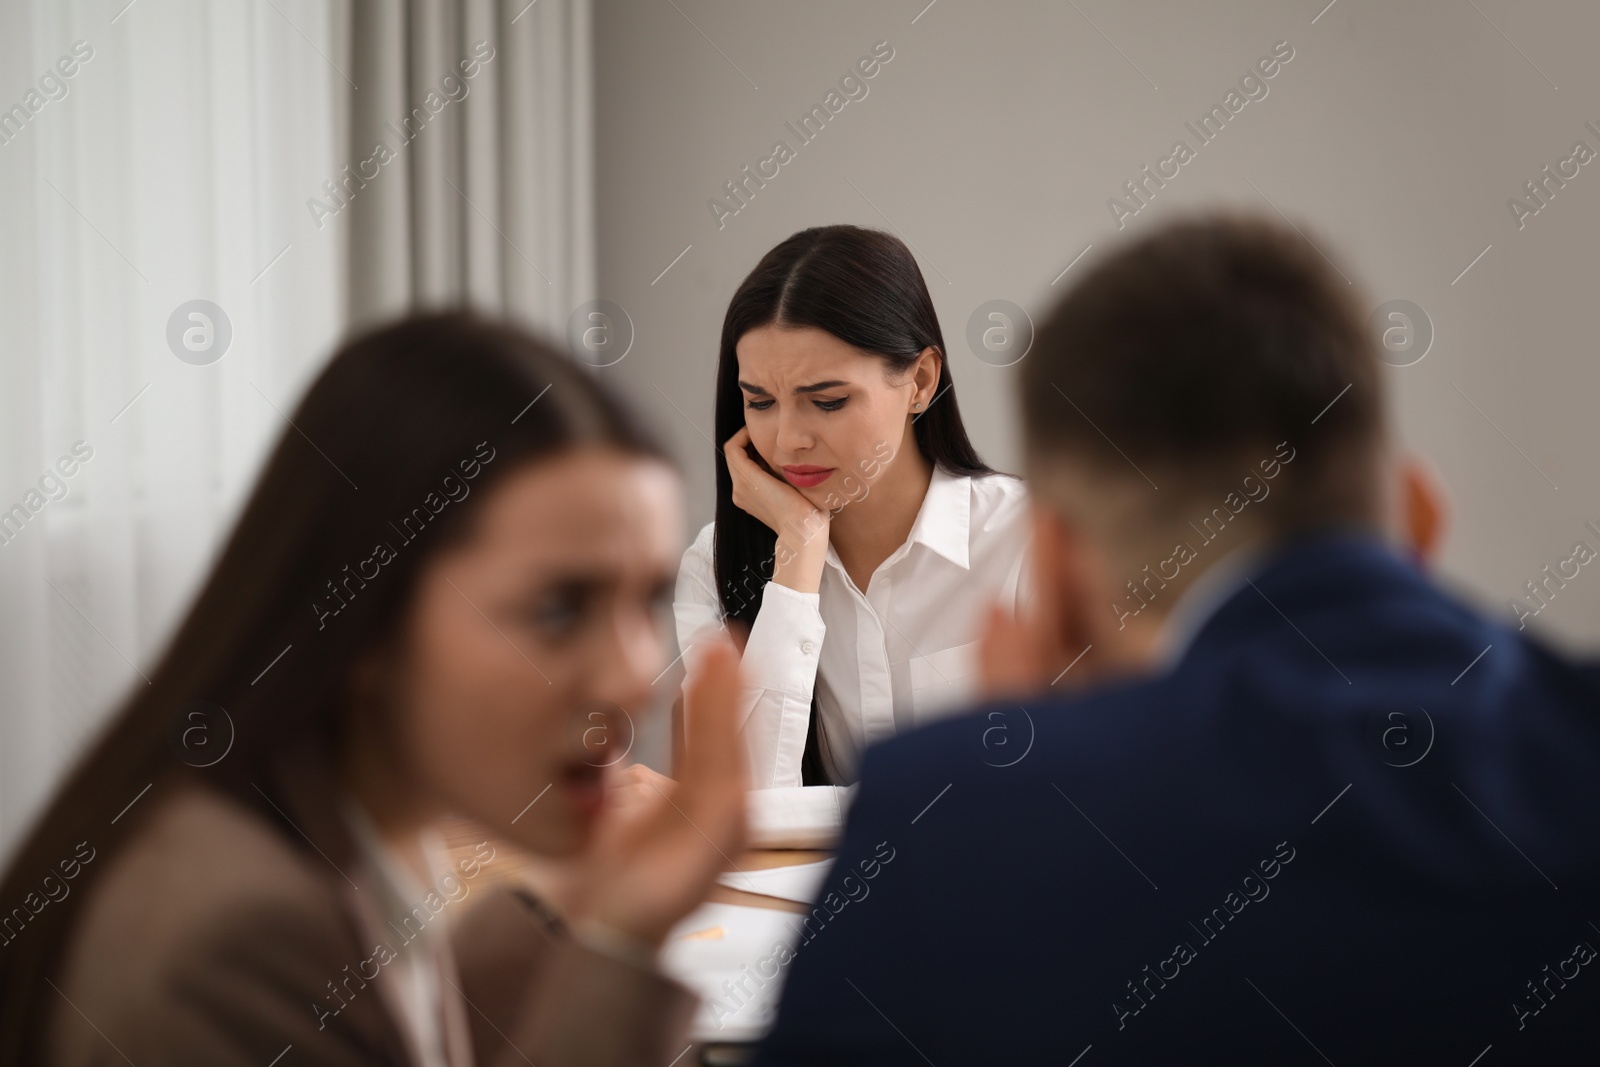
x: 217, y: 937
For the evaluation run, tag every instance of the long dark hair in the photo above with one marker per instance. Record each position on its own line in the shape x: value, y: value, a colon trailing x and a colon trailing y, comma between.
x: 863, y: 287
x: 396, y: 442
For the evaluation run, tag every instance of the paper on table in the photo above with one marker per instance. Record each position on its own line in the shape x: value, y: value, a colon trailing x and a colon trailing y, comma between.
x: 734, y: 957
x: 800, y: 882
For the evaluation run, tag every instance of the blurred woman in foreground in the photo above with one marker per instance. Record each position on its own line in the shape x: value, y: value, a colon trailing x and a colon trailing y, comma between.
x: 446, y: 594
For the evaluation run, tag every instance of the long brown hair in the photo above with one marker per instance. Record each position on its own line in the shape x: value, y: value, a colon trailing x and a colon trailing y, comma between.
x: 395, y: 443
x: 863, y: 287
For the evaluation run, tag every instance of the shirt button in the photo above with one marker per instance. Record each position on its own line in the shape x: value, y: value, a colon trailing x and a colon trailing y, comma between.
x: 806, y: 646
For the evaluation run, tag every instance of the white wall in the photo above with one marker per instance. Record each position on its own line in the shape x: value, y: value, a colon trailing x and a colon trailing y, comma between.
x: 997, y: 133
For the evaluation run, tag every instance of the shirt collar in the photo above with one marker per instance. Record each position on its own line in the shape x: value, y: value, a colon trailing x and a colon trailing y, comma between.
x: 942, y: 522
x: 399, y: 891
x: 944, y: 519
x: 1213, y: 587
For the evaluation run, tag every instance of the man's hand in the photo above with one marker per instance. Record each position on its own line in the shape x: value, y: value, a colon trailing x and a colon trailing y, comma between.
x: 1012, y: 655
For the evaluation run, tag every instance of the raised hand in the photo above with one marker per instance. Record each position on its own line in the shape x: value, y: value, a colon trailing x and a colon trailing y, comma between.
x: 1023, y: 654
x: 1011, y: 656
x: 655, y: 858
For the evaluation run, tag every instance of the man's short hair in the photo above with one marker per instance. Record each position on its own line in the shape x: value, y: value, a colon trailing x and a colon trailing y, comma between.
x: 1186, y: 357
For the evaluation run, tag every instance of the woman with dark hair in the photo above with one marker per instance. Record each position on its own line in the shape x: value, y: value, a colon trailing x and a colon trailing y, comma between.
x: 444, y: 595
x: 849, y: 502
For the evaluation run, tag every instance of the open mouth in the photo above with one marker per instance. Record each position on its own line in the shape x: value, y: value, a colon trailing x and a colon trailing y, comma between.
x: 583, y: 785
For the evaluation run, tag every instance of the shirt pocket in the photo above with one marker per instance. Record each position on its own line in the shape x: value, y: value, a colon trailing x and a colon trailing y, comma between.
x: 943, y: 682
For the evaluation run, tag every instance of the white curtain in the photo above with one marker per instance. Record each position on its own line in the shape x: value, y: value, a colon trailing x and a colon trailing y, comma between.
x: 483, y: 112
x: 179, y: 161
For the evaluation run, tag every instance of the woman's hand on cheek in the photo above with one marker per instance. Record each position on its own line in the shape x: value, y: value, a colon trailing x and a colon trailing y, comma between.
x: 782, y: 507
x: 657, y: 852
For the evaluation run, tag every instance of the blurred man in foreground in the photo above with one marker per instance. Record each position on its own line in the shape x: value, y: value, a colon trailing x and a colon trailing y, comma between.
x: 1261, y: 791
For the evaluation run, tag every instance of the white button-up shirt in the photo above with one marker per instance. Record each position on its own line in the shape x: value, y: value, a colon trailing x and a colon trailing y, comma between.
x: 881, y: 660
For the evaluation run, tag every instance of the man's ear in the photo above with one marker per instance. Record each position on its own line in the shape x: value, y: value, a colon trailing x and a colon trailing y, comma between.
x: 1423, y: 507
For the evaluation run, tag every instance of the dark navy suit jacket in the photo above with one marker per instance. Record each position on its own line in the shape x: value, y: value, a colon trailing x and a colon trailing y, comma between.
x: 1357, y: 822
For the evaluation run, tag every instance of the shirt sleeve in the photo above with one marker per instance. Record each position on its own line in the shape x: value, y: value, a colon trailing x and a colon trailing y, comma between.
x: 806, y: 816
x: 779, y: 663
